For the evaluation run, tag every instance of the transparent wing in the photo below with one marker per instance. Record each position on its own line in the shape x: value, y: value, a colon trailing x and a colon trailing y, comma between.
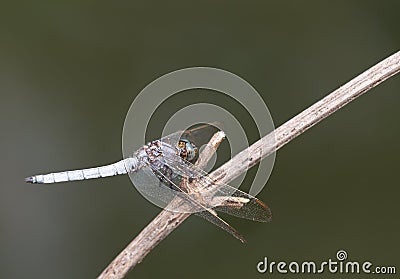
x: 214, y: 219
x: 162, y: 188
x: 169, y: 193
x: 199, y: 135
x: 221, y: 196
x: 151, y: 187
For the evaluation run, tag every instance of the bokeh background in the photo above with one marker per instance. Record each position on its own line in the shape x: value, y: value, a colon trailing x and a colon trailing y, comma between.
x: 69, y: 71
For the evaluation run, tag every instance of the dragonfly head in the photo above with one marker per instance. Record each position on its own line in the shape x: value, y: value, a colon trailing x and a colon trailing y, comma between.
x: 187, y: 150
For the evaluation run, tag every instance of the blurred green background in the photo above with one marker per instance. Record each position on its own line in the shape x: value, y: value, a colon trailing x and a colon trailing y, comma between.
x: 69, y: 71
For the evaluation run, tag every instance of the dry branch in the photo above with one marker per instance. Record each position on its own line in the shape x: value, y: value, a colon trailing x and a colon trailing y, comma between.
x: 167, y: 221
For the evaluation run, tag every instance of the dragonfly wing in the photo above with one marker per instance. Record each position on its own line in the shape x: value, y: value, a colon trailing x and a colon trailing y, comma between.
x: 161, y: 188
x: 189, y: 204
x: 214, y: 219
x: 199, y: 135
x: 221, y: 196
x: 151, y: 187
x: 243, y: 205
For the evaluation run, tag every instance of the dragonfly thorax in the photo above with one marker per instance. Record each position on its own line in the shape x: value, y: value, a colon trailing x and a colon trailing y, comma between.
x: 153, y: 150
x: 156, y: 149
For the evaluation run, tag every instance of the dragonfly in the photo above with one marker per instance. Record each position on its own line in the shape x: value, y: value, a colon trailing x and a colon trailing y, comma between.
x: 161, y: 169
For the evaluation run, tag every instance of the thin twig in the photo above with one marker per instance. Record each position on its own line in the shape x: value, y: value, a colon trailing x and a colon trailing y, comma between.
x: 167, y: 221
